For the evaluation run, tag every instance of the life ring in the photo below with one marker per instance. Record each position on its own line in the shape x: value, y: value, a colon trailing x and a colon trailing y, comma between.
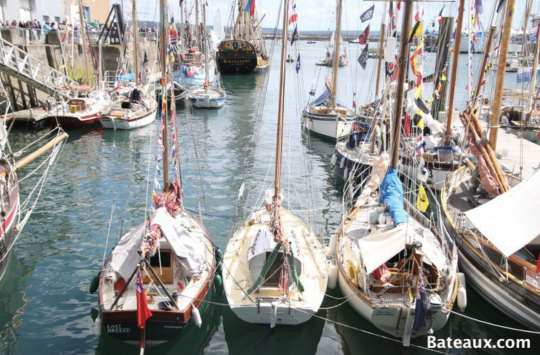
x: 352, y: 271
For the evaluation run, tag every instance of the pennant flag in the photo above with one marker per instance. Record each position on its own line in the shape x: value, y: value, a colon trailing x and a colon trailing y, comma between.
x: 422, y: 202
x: 440, y: 18
x: 420, y: 145
x: 438, y: 90
x: 416, y: 65
x: 417, y: 30
x: 407, y: 125
x: 363, y: 38
x: 298, y: 63
x: 419, y: 14
x: 294, y: 35
x: 419, y: 102
x: 368, y: 14
x: 250, y: 7
x: 363, y: 57
x: 143, y: 313
x: 294, y: 16
x: 422, y: 305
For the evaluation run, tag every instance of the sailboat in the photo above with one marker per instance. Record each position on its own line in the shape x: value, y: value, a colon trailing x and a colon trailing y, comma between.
x: 138, y: 108
x: 170, y: 252
x: 274, y: 267
x: 86, y: 108
x: 246, y: 51
x: 326, y: 116
x: 493, y: 216
x: 15, y: 213
x: 328, y: 60
x: 394, y: 268
x: 193, y: 67
x: 207, y: 96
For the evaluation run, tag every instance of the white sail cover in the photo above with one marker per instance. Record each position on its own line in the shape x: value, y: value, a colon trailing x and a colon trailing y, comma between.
x: 379, y: 248
x: 511, y: 220
x: 188, y: 246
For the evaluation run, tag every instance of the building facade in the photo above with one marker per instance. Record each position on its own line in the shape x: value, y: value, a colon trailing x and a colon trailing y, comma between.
x: 29, y: 10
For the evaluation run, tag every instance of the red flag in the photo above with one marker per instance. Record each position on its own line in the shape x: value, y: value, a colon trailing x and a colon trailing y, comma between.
x: 143, y: 313
x: 407, y: 124
x: 294, y: 15
x: 399, y: 5
x: 363, y: 38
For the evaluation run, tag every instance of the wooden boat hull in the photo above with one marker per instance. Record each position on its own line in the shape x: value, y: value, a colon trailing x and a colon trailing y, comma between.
x: 7, y: 226
x: 350, y: 168
x: 111, y: 122
x: 236, y: 57
x: 74, y: 121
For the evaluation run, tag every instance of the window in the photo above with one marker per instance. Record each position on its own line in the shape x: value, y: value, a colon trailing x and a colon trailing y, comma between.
x: 45, y: 18
x: 86, y: 12
x: 57, y: 19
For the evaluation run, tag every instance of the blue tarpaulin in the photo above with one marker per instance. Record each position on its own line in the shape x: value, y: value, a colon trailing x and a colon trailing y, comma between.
x: 129, y: 76
x: 322, y: 99
x: 392, y: 196
x: 447, y: 147
x: 526, y: 75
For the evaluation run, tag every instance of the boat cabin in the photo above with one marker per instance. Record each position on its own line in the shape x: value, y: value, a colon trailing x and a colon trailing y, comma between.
x: 77, y: 105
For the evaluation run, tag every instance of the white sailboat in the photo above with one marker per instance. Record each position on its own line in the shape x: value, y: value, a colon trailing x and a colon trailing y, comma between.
x: 274, y: 267
x: 139, y: 108
x: 393, y: 266
x: 207, y: 96
x: 326, y: 116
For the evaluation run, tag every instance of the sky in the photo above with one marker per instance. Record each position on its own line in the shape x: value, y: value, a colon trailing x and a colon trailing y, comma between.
x: 321, y: 14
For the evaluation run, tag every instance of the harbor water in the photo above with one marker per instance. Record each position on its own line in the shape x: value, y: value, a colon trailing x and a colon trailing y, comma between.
x: 101, y: 187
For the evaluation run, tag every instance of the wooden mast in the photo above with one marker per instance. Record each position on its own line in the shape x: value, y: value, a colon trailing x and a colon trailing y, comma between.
x: 135, y: 44
x: 484, y: 63
x: 197, y: 18
x: 85, y: 49
x: 496, y: 112
x: 402, y: 67
x: 453, y: 79
x: 163, y: 48
x: 182, y: 37
x: 381, y: 49
x: 533, y: 78
x: 336, y: 60
x: 279, y: 136
x: 205, y: 51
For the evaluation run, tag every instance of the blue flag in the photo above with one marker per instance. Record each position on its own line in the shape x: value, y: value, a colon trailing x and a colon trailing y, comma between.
x: 363, y: 57
x: 298, y: 63
x: 368, y: 14
x: 294, y: 35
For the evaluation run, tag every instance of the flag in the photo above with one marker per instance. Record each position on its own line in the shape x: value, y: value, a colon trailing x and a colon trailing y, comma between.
x: 422, y: 305
x: 501, y: 2
x: 294, y: 16
x: 440, y: 18
x: 294, y: 36
x: 478, y: 6
x: 368, y: 14
x: 407, y: 125
x: 172, y: 19
x: 298, y: 63
x: 438, y: 90
x: 363, y: 38
x: 422, y: 202
x: 416, y: 65
x: 145, y: 59
x: 363, y: 57
x: 143, y: 313
x: 250, y: 7
x: 419, y: 14
x: 417, y: 30
x: 419, y: 102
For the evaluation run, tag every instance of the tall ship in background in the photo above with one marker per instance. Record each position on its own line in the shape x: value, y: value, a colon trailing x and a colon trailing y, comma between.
x: 245, y: 51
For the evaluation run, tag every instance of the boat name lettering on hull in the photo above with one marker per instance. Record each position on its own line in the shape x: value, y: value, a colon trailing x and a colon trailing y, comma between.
x: 117, y: 328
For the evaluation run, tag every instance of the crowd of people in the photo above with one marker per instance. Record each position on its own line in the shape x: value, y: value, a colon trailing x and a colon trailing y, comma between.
x: 35, y: 28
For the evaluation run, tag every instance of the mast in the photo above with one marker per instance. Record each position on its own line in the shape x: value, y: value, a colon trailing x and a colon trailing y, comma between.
x: 279, y: 136
x: 403, y: 51
x: 533, y: 78
x: 496, y: 112
x: 205, y: 51
x: 484, y: 63
x: 457, y: 45
x: 381, y: 49
x: 182, y: 37
x: 163, y: 48
x: 197, y: 18
x: 336, y: 59
x: 135, y: 45
x: 83, y: 34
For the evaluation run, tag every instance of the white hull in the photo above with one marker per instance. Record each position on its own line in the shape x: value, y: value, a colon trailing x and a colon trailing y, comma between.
x: 214, y: 98
x: 328, y: 125
x: 120, y: 123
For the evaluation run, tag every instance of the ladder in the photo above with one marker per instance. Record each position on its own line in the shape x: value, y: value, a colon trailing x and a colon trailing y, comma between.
x: 20, y: 65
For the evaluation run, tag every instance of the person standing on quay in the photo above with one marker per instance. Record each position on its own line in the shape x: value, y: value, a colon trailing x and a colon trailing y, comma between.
x: 38, y: 29
x: 46, y: 29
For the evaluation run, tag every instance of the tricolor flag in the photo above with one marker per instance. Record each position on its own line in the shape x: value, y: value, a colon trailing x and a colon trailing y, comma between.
x: 368, y: 14
x: 250, y: 7
x: 143, y: 313
x: 420, y: 145
x: 298, y: 63
x: 363, y: 38
x: 362, y: 60
x: 294, y: 16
